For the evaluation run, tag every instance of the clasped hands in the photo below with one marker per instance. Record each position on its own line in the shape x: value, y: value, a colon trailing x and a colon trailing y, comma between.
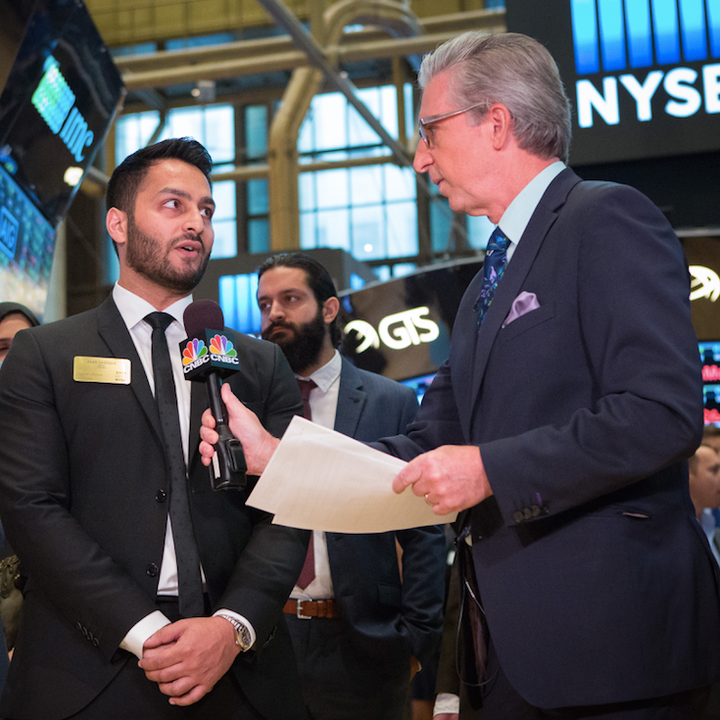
x: 187, y: 657
x: 450, y: 478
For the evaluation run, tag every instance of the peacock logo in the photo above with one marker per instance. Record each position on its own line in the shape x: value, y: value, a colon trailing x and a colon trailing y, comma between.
x: 220, y: 345
x: 194, y: 350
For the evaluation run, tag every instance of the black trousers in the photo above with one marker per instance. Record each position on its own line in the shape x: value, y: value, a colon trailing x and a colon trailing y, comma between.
x: 341, y: 683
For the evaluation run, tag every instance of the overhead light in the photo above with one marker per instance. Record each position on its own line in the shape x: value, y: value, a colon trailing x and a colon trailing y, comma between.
x: 73, y: 175
x: 204, y: 91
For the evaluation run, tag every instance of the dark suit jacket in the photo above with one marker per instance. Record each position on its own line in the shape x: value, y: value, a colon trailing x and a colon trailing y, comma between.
x: 389, y: 618
x: 81, y: 467
x: 596, y: 581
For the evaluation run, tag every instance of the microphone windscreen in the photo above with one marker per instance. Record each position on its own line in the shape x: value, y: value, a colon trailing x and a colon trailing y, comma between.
x: 202, y: 315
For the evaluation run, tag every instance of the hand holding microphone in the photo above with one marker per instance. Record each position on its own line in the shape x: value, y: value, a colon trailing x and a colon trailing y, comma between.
x: 208, y: 355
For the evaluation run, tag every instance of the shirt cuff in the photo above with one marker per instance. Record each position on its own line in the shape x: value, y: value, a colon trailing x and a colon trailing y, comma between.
x: 239, y: 618
x: 446, y: 703
x: 135, y: 639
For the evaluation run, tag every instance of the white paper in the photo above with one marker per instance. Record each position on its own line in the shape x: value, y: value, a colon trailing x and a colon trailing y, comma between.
x: 319, y: 479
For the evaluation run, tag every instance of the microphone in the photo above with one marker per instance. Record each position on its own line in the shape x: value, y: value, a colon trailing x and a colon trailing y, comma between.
x: 209, y: 355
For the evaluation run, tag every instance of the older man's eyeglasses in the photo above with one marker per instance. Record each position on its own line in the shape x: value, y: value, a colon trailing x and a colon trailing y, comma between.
x: 425, y: 123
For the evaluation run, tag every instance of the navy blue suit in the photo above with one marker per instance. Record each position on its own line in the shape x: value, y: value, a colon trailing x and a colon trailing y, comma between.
x: 384, y: 620
x: 595, y: 577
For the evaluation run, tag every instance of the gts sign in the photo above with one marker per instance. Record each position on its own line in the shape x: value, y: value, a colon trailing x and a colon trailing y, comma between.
x: 397, y: 331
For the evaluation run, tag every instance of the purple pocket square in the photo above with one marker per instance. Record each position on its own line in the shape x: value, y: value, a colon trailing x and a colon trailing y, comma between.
x: 524, y: 303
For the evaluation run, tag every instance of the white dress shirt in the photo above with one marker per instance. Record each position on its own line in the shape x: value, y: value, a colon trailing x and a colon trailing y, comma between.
x: 518, y: 213
x: 133, y: 310
x: 323, y: 406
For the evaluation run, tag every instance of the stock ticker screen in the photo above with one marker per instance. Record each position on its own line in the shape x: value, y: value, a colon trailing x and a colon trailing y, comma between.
x: 27, y: 241
x: 710, y: 356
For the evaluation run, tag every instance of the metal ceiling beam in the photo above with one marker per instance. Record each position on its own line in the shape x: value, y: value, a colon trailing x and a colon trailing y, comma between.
x: 252, y: 57
x: 285, y: 19
x: 444, y: 25
x: 287, y: 60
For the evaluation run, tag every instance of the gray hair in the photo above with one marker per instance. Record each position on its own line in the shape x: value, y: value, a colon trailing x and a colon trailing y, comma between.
x: 513, y: 70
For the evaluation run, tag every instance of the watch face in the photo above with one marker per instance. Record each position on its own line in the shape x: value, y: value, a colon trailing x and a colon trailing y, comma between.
x: 245, y: 638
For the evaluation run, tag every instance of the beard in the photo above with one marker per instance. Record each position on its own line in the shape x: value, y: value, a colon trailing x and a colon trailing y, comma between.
x: 144, y: 255
x: 303, y: 345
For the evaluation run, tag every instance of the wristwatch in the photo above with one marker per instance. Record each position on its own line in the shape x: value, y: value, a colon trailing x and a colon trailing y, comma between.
x: 243, y: 639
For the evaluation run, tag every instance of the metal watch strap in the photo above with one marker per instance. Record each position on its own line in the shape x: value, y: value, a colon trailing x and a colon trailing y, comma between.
x: 242, y: 633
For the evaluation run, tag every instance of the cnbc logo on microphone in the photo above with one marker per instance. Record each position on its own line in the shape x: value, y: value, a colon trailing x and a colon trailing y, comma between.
x: 197, y: 358
x: 194, y: 351
x: 654, y: 56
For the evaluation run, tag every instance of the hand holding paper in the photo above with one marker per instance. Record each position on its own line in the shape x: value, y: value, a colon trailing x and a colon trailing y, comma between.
x: 319, y: 479
x: 450, y: 478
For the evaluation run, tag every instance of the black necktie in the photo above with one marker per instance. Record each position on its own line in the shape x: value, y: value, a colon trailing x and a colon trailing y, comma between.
x: 190, y: 596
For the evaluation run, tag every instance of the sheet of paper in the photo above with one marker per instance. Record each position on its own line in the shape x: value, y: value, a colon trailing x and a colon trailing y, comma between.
x: 319, y: 479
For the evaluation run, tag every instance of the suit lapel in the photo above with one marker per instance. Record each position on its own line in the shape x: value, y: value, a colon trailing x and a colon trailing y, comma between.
x: 515, y: 275
x: 115, y: 334
x: 351, y: 400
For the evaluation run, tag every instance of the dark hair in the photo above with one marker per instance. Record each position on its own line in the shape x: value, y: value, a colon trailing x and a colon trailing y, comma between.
x: 317, y: 277
x: 13, y: 308
x: 123, y: 186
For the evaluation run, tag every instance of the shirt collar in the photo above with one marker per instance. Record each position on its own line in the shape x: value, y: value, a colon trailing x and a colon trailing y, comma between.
x: 707, y: 520
x: 325, y: 376
x: 133, y: 308
x: 517, y: 215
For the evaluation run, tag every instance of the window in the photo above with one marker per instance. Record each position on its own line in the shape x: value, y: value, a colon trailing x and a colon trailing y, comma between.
x: 369, y: 211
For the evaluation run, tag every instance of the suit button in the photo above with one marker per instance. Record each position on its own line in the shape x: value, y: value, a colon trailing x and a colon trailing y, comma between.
x: 528, y: 513
x: 161, y: 496
x: 535, y: 510
x: 518, y: 516
x: 152, y: 570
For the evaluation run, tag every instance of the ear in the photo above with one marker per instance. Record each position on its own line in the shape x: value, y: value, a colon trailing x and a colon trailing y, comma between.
x: 331, y: 307
x: 501, y: 123
x: 116, y: 224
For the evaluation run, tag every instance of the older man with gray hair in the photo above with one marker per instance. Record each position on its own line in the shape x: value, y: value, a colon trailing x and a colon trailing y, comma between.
x: 562, y: 421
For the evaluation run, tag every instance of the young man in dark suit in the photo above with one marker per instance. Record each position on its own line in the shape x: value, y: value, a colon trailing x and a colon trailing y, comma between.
x: 131, y: 555
x: 564, y: 417
x: 360, y: 630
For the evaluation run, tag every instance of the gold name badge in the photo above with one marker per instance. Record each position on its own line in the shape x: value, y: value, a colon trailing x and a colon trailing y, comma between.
x: 101, y: 370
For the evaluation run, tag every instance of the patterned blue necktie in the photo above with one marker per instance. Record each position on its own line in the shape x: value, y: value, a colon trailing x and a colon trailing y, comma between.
x: 493, y: 268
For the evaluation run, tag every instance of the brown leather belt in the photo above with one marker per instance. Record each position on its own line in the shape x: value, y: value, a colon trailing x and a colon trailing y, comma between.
x: 307, y: 609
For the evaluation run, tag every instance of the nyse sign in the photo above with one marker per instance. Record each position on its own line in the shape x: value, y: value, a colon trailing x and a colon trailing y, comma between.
x: 612, y: 36
x: 397, y: 331
x: 679, y: 85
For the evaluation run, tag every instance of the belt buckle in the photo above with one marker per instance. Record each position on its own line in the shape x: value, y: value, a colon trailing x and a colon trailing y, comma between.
x: 298, y: 610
